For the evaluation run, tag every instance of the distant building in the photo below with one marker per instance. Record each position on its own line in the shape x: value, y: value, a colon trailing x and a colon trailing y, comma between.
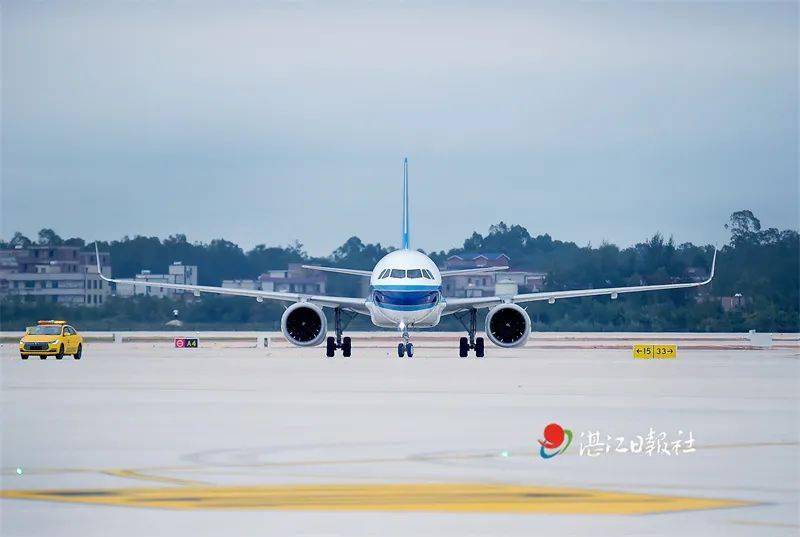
x: 491, y: 283
x: 732, y: 303
x: 473, y: 285
x: 528, y: 282
x: 177, y: 273
x: 61, y: 274
x: 697, y: 274
x: 241, y: 284
x: 475, y: 260
x: 294, y: 279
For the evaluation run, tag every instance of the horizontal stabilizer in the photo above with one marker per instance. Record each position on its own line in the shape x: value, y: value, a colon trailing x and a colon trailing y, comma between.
x: 484, y: 270
x: 352, y: 272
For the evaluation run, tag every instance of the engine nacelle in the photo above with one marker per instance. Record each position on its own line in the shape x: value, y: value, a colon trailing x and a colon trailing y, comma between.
x: 508, y: 325
x: 304, y: 324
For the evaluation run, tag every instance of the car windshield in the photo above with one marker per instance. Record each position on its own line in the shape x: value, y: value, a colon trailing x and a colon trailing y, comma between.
x: 414, y: 273
x: 44, y: 330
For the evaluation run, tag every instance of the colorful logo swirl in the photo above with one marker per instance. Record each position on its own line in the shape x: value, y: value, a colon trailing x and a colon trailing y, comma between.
x: 554, y: 436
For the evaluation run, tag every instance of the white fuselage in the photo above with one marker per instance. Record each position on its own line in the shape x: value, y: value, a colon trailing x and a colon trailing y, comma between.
x: 405, y: 291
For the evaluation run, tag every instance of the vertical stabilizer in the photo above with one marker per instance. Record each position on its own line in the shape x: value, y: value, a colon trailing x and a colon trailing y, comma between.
x: 405, y: 204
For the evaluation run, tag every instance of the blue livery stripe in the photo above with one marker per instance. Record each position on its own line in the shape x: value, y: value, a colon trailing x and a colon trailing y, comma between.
x: 414, y: 307
x: 407, y: 287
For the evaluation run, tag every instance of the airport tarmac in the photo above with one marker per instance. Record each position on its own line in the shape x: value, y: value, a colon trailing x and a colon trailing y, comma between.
x: 141, y: 438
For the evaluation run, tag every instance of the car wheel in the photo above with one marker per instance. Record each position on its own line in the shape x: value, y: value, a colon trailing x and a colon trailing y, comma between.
x: 42, y: 357
x: 23, y: 356
x: 60, y: 354
x: 78, y: 353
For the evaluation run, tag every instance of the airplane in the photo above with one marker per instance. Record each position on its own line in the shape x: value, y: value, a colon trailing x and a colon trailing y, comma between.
x: 406, y: 294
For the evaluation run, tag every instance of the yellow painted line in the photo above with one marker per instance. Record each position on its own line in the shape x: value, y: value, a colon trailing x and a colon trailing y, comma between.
x: 454, y: 498
x: 134, y: 474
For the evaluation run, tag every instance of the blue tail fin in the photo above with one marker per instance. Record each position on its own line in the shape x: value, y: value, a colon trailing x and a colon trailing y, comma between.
x: 405, y: 204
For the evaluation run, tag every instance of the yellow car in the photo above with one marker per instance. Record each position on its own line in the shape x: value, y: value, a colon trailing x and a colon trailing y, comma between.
x: 51, y: 338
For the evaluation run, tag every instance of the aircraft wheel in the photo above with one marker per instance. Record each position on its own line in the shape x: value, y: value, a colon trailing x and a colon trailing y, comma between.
x: 347, y: 347
x: 463, y: 347
x: 330, y: 347
x: 79, y: 352
x: 479, y: 349
x: 410, y: 350
x: 401, y: 349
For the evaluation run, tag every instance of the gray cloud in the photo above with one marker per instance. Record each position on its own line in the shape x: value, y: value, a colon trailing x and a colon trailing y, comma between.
x: 266, y: 122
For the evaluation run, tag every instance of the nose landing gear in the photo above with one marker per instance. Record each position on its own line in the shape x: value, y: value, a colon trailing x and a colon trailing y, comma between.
x: 471, y: 342
x: 406, y: 347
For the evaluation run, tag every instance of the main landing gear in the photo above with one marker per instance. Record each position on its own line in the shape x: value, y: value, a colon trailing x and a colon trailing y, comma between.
x: 406, y: 347
x: 339, y: 342
x: 465, y: 344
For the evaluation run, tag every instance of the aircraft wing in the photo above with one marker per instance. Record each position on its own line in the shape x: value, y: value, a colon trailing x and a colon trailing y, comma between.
x: 352, y: 272
x: 459, y: 272
x: 460, y: 304
x: 349, y: 303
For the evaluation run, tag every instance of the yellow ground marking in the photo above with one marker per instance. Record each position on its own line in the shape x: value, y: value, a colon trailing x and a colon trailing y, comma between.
x: 134, y: 474
x: 456, y: 498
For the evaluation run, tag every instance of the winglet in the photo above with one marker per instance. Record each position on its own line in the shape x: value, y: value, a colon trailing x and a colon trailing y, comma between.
x: 405, y: 205
x: 713, y: 265
x: 97, y: 258
x: 713, y: 268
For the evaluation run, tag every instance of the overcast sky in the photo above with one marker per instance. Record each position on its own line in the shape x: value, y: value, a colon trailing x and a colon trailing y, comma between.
x: 265, y: 122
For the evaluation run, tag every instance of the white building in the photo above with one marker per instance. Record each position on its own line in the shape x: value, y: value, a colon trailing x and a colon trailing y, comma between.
x: 491, y: 283
x: 241, y: 284
x: 177, y: 273
x: 62, y: 274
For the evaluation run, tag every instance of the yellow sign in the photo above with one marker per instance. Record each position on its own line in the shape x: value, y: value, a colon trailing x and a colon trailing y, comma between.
x: 451, y: 497
x: 649, y: 351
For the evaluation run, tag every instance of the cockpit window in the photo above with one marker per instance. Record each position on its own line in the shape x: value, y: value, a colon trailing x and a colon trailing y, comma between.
x: 384, y: 273
x: 398, y: 273
x: 427, y: 274
x: 414, y: 273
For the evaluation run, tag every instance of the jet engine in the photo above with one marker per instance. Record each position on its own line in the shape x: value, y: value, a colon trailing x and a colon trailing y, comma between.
x: 304, y: 324
x: 508, y: 325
